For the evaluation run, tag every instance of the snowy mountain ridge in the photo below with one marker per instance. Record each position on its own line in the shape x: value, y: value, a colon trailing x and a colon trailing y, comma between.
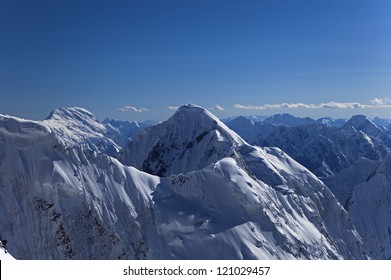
x: 269, y: 167
x: 323, y: 148
x: 202, y: 192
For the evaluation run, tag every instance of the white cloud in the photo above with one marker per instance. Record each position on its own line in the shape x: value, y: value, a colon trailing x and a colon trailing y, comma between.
x: 133, y: 109
x: 341, y: 105
x: 374, y: 103
x: 276, y: 106
x: 217, y: 107
x: 249, y: 107
x: 173, y: 108
x: 380, y: 101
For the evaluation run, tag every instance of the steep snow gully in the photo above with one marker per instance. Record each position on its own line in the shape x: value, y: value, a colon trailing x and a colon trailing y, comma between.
x: 186, y: 188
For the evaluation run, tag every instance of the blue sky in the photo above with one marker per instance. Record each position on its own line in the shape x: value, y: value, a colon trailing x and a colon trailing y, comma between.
x: 137, y: 60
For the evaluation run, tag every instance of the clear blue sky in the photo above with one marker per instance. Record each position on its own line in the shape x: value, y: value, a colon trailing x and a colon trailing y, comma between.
x: 105, y: 55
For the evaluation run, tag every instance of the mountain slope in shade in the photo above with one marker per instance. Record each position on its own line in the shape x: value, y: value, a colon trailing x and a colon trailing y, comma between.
x: 331, y: 122
x: 250, y: 130
x: 343, y: 183
x: 219, y: 197
x: 385, y: 123
x: 362, y: 123
x: 244, y: 126
x: 370, y: 209
x: 121, y: 132
x: 288, y: 120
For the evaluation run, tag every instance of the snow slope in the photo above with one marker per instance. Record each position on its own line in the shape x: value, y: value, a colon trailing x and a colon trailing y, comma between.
x: 362, y: 123
x: 282, y: 183
x: 343, y: 183
x: 216, y: 197
x: 68, y: 202
x: 79, y: 127
x: 370, y: 208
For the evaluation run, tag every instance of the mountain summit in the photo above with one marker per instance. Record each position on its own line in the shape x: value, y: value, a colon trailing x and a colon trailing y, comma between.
x: 78, y: 127
x: 191, y: 139
x: 362, y: 123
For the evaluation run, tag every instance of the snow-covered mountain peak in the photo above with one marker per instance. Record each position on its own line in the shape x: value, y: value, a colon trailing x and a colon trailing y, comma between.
x: 195, y: 118
x: 75, y: 117
x: 194, y: 110
x: 71, y: 113
x: 78, y: 126
x: 191, y: 139
x: 358, y: 120
x: 224, y: 198
x: 362, y: 123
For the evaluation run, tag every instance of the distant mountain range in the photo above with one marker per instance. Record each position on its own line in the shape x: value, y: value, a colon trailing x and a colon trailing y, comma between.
x: 325, y: 146
x: 192, y: 188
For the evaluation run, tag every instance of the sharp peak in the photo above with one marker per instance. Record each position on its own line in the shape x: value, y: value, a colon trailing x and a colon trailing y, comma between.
x: 190, y: 106
x: 359, y: 119
x: 194, y: 110
x: 192, y: 116
x: 108, y: 120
